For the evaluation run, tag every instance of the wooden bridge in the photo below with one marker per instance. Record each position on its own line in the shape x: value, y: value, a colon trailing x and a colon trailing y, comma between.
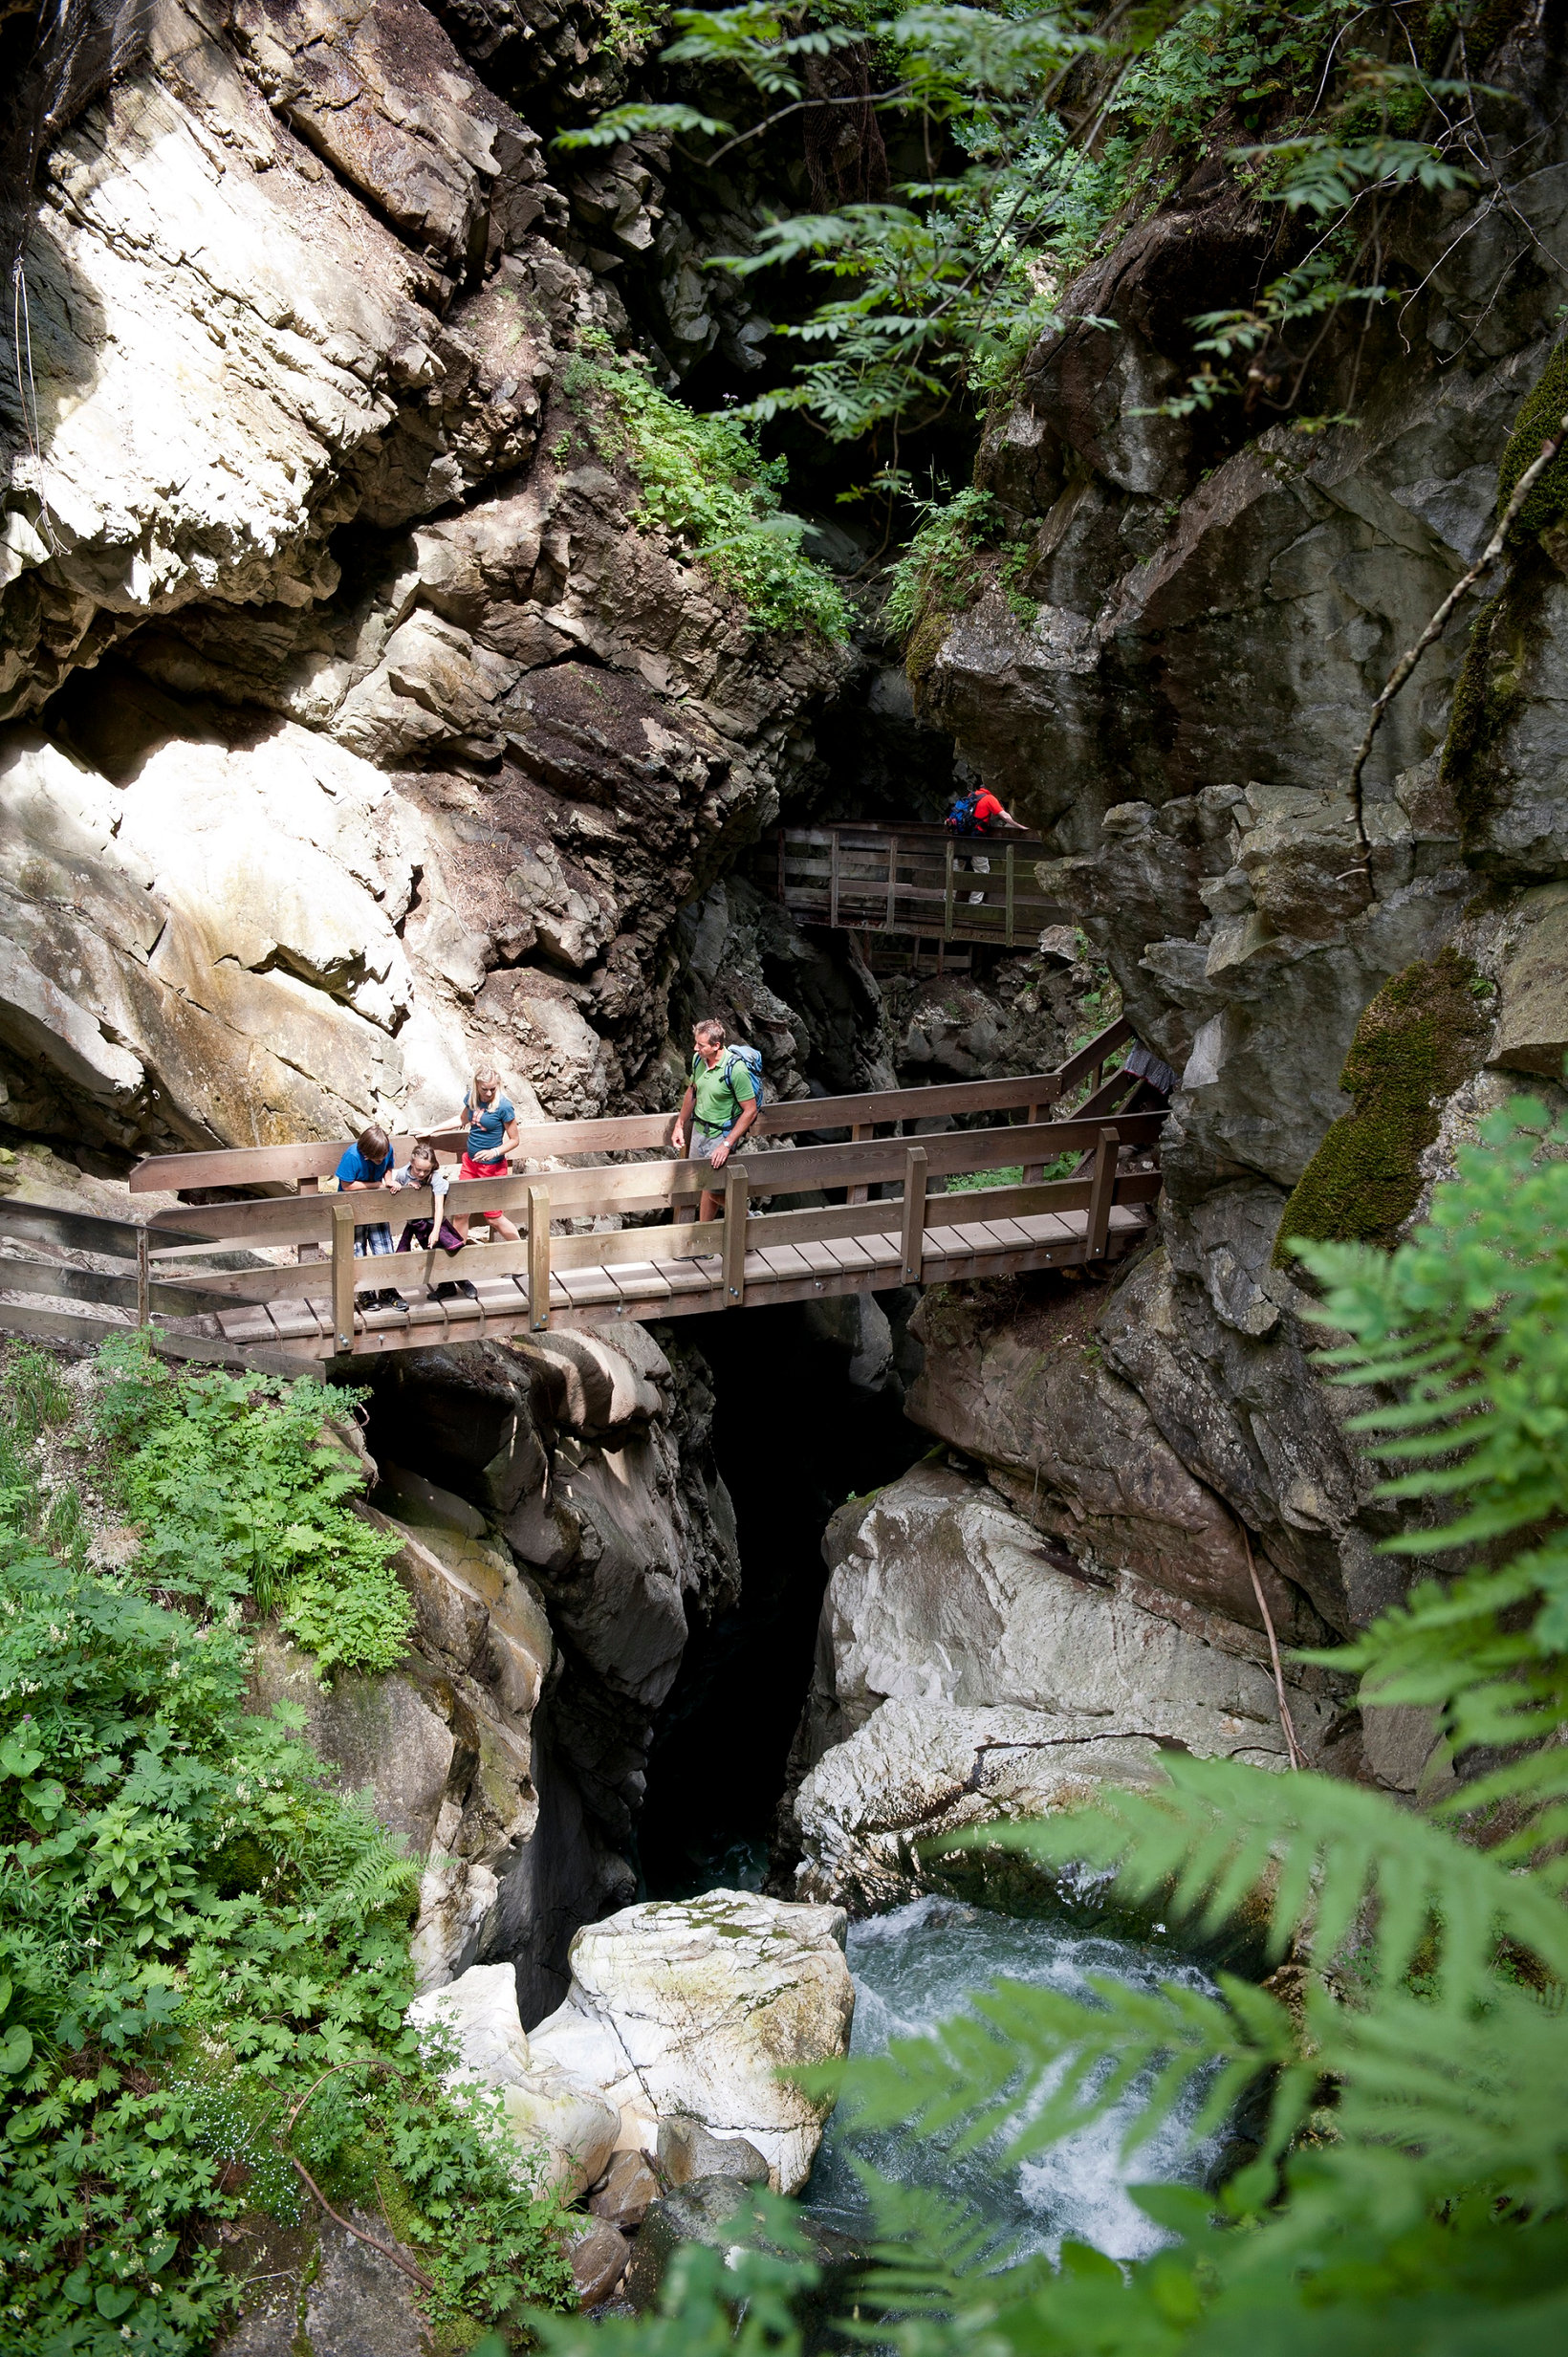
x: 295, y: 1302
x: 919, y: 882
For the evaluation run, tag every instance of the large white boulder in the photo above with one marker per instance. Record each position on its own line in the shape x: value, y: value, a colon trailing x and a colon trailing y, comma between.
x: 944, y: 1594
x: 918, y: 1770
x: 551, y: 2111
x: 968, y: 1672
x: 690, y: 2009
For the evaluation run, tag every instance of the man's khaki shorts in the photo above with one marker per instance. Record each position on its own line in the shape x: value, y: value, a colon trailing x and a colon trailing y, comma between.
x: 702, y: 1148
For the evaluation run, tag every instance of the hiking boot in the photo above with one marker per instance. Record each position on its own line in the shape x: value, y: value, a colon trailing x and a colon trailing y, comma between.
x: 469, y: 1290
x: 392, y: 1300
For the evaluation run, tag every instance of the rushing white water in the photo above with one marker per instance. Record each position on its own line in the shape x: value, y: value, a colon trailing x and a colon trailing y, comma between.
x: 919, y: 1965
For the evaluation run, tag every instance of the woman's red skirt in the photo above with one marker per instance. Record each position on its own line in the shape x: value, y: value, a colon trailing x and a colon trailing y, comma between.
x: 468, y: 1170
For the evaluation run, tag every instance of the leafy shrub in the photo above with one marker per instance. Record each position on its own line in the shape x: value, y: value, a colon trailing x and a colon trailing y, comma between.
x: 942, y: 569
x: 708, y: 486
x: 203, y: 1959
x: 1405, y: 2074
x: 240, y: 1493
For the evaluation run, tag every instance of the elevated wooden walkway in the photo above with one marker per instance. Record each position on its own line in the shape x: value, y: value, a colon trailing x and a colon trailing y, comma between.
x: 296, y: 1301
x: 919, y: 882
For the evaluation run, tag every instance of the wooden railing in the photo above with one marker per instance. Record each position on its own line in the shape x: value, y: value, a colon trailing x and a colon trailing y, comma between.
x: 306, y: 1164
x: 306, y: 1307
x: 917, y: 881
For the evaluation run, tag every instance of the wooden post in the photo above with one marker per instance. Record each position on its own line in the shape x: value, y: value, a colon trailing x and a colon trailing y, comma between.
x: 782, y: 887
x: 914, y: 1214
x: 833, y: 879
x: 859, y: 1133
x: 309, y: 1252
x: 948, y: 895
x: 538, y: 1258
x: 143, y: 1279
x: 1102, y: 1193
x: 734, y: 1235
x: 892, y: 882
x: 1034, y: 1171
x: 1009, y: 896
x: 342, y: 1270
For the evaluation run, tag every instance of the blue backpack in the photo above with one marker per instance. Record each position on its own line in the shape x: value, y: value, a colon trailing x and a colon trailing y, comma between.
x: 752, y: 1059
x: 960, y: 819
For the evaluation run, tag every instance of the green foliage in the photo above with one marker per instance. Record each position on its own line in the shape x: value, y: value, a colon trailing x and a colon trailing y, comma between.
x: 941, y: 570
x: 203, y: 1959
x: 707, y: 487
x: 1403, y: 2071
x: 1465, y: 1323
x: 629, y: 28
x: 1423, y: 1034
x: 240, y: 1491
x: 948, y: 280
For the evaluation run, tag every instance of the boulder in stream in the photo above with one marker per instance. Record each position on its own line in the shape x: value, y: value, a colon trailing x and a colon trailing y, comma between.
x: 689, y: 2010
x: 550, y: 2111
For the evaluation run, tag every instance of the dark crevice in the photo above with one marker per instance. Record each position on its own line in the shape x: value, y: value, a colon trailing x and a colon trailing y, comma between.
x: 794, y: 1438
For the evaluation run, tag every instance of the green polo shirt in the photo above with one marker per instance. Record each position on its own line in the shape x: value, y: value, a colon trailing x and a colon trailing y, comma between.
x: 716, y: 1106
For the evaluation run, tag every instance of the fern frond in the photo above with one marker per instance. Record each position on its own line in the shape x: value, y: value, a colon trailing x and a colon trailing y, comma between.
x: 1032, y: 2065
x: 1487, y: 2110
x: 1303, y: 1855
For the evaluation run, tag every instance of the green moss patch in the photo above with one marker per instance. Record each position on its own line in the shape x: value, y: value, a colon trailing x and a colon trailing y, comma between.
x: 1423, y: 1034
x: 1489, y: 694
x: 1540, y: 416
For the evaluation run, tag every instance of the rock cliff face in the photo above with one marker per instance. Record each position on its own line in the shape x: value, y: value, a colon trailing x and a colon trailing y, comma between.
x: 585, y: 1533
x: 355, y: 732
x: 1179, y: 717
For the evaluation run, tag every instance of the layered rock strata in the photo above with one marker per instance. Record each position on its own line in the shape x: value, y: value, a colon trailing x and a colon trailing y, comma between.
x: 969, y: 1669
x: 377, y: 742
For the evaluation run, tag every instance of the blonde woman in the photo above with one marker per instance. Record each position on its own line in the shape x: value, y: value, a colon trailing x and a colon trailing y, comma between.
x: 491, y: 1124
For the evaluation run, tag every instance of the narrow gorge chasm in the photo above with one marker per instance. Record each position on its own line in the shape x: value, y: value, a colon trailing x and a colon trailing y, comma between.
x: 527, y: 529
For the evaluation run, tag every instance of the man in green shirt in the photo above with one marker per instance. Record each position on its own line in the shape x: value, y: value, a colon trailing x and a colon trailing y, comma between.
x: 718, y: 1109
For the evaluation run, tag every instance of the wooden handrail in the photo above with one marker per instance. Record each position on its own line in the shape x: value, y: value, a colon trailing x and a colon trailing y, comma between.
x: 819, y: 1225
x: 252, y: 1166
x: 652, y: 1186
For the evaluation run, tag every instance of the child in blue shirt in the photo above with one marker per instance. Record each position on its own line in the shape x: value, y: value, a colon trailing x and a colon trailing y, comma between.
x: 366, y: 1169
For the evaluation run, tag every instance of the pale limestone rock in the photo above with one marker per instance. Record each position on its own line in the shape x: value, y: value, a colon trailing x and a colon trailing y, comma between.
x: 1533, y: 986
x: 941, y: 1594
x: 689, y: 2010
x: 554, y: 2111
x: 548, y: 2110
x: 917, y: 1770
x: 480, y: 2011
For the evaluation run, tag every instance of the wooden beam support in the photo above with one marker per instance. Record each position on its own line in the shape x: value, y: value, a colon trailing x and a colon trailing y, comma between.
x: 143, y: 1279
x: 538, y: 1258
x: 342, y: 1271
x: 859, y: 1134
x: 1102, y: 1193
x: 734, y: 1235
x: 947, y: 901
x: 913, y: 1254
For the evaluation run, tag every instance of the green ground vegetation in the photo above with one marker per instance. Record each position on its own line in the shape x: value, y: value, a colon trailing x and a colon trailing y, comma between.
x: 1423, y: 1034
x: 204, y: 1946
x: 1401, y: 2178
x: 955, y: 550
x: 707, y: 486
x: 1046, y: 132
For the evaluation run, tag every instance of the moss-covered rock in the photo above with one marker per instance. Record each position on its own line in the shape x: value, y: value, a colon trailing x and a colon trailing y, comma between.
x: 1540, y: 416
x: 1491, y: 695
x: 1423, y: 1034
